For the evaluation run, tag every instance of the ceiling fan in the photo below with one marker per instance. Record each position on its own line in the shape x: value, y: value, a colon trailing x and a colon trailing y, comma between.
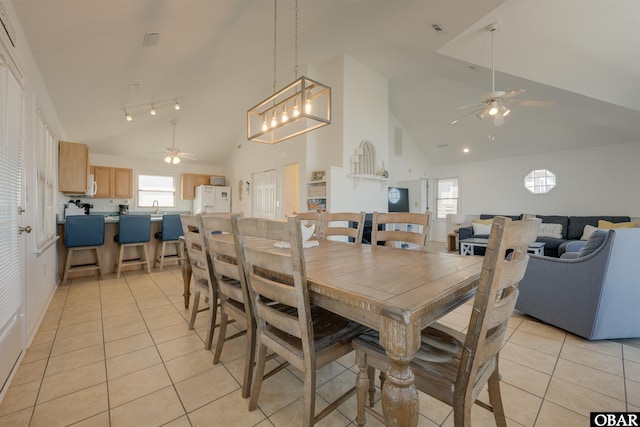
x: 173, y: 155
x: 494, y: 104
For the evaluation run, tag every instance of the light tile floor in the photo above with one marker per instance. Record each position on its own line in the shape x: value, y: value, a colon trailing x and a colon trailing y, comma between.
x: 118, y: 352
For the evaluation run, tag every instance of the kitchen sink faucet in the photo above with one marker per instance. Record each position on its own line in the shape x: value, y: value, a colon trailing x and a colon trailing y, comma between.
x: 157, y: 206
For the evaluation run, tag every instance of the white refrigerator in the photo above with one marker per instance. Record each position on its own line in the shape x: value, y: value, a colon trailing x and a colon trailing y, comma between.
x: 212, y: 199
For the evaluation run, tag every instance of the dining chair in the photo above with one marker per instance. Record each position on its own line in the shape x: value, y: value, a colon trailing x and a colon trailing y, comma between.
x: 312, y: 218
x: 232, y: 290
x: 401, y: 227
x: 83, y: 232
x: 169, y: 234
x: 451, y: 366
x: 134, y: 231
x: 203, y: 279
x: 306, y: 336
x: 341, y: 229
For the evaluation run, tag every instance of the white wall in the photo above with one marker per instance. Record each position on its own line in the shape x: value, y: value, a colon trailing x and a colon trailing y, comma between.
x: 591, y: 181
x: 413, y: 163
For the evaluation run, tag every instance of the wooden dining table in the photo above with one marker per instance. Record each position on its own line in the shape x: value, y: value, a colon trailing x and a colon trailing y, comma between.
x: 398, y: 292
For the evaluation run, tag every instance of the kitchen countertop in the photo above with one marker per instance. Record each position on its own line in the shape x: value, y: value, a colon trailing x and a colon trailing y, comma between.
x: 114, y: 218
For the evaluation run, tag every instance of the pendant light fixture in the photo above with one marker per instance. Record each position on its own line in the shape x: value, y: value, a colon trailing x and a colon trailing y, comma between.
x: 299, y: 107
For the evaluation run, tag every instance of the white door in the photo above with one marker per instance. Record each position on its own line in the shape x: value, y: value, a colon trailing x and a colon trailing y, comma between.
x: 11, y: 238
x: 264, y: 194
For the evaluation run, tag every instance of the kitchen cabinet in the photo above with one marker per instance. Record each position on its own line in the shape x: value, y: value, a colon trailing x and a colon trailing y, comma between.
x: 73, y: 167
x: 189, y: 182
x: 113, y: 182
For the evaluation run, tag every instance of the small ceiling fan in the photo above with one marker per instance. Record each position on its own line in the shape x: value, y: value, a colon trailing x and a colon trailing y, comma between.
x: 494, y: 104
x: 173, y: 155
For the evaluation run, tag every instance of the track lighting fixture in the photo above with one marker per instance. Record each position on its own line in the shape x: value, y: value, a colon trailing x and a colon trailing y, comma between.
x: 154, y: 108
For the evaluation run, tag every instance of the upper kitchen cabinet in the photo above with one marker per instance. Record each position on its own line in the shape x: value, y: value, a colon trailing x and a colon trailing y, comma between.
x: 189, y: 182
x: 113, y: 182
x: 73, y: 168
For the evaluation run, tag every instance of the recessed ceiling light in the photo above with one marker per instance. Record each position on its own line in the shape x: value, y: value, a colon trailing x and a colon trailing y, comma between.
x: 442, y: 145
x: 465, y: 150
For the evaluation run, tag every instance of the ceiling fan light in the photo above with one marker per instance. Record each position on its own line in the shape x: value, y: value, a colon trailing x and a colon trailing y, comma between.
x: 128, y: 116
x: 505, y: 111
x: 482, y: 113
x: 498, y: 120
x: 175, y: 160
x: 493, y: 108
x: 176, y: 106
x: 152, y: 111
x: 167, y: 159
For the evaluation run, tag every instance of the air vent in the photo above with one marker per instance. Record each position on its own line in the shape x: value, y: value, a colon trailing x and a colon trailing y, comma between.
x: 442, y: 145
x: 134, y: 88
x: 150, y: 39
x: 437, y: 28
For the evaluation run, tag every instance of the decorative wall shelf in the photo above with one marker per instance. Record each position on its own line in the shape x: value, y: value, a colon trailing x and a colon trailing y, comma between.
x: 369, y: 177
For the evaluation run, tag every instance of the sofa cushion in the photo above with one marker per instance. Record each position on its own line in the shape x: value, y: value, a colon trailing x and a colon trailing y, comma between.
x: 550, y: 230
x: 556, y: 219
x: 588, y: 230
x: 607, y: 225
x: 481, y: 226
x: 577, y: 223
x: 595, y: 241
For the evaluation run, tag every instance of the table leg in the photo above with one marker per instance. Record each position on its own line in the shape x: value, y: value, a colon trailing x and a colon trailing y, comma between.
x: 400, y: 403
x: 186, y: 277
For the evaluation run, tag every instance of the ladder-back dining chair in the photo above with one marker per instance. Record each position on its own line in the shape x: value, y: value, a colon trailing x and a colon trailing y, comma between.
x: 401, y: 227
x: 451, y: 366
x: 312, y: 218
x: 306, y: 336
x: 339, y: 224
x: 232, y: 290
x: 202, y: 272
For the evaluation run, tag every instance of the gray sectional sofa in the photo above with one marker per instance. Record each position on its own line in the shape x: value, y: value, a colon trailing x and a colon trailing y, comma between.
x: 572, y: 229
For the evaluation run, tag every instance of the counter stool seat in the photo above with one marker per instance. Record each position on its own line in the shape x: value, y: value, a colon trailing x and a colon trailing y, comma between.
x: 83, y: 232
x: 170, y: 234
x: 133, y: 231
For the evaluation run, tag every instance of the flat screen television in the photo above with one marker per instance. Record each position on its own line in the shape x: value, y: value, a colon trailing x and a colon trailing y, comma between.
x: 398, y: 199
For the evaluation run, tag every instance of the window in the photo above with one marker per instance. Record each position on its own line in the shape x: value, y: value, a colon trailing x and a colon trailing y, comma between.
x: 540, y: 181
x: 46, y: 176
x: 447, y: 197
x: 156, y: 190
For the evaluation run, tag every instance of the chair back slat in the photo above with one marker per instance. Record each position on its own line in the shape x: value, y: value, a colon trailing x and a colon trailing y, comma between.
x: 342, y: 229
x: 197, y: 248
x: 421, y: 222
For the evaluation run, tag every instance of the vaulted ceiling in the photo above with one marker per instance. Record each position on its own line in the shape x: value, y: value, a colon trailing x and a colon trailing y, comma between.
x: 216, y: 57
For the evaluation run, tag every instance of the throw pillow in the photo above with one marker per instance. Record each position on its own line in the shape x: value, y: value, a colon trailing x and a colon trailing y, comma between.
x: 595, y: 241
x: 482, y: 227
x: 550, y: 230
x: 606, y: 225
x: 588, y: 230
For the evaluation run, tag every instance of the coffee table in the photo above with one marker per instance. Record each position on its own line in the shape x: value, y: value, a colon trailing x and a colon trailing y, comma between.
x: 467, y: 246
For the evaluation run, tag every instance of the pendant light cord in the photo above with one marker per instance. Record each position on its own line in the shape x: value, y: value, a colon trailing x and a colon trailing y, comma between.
x: 295, y: 67
x: 275, y: 38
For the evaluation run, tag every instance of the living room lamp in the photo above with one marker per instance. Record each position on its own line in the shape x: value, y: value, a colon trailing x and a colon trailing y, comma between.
x: 299, y: 107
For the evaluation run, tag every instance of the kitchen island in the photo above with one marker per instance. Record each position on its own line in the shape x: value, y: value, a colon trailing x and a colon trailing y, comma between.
x: 109, y: 250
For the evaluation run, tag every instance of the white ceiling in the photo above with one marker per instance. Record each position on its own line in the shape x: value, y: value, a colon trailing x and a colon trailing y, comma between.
x: 217, y: 57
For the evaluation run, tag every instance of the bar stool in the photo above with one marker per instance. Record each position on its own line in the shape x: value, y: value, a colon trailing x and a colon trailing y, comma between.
x: 83, y: 232
x: 170, y: 234
x: 134, y: 231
